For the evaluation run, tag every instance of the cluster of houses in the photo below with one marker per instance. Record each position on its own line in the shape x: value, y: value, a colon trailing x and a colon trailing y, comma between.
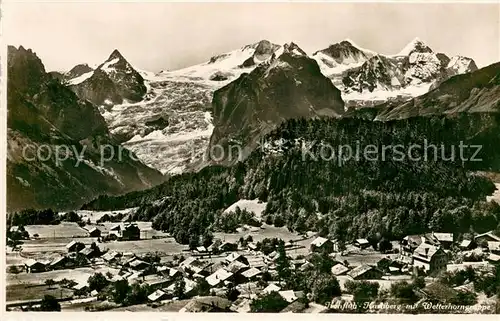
x: 242, y: 268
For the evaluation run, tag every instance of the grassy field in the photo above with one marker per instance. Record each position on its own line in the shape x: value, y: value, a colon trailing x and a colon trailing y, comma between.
x: 20, y: 292
x: 79, y: 275
x: 167, y: 246
x: 62, y: 230
x: 44, y: 246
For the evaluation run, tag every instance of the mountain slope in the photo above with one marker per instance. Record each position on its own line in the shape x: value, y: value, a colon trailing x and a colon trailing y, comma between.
x: 288, y: 86
x: 478, y: 91
x: 57, y: 143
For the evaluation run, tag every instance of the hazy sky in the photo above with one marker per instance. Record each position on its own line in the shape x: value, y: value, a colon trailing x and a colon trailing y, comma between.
x: 156, y: 36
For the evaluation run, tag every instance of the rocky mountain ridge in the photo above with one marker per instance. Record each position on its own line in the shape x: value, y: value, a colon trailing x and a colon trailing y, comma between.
x: 55, y: 143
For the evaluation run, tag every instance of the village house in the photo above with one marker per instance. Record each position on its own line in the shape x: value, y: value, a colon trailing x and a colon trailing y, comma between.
x: 482, y: 239
x: 60, y: 263
x: 339, y: 269
x: 33, y: 266
x: 410, y: 243
x: 271, y: 288
x: 228, y: 247
x: 94, y: 232
x: 201, y: 250
x: 251, y: 275
x: 111, y: 257
x: 321, y: 244
x: 466, y: 245
x: 131, y: 232
x: 444, y: 239
x: 430, y: 258
x: 494, y: 247
x: 252, y: 246
x: 362, y: 243
x: 189, y: 287
x: 493, y: 258
x: 115, y: 228
x: 156, y: 282
x: 156, y: 296
x: 75, y: 246
x: 236, y: 267
x: 218, y: 277
x: 291, y: 296
x: 365, y: 272
x: 234, y: 256
x: 138, y: 265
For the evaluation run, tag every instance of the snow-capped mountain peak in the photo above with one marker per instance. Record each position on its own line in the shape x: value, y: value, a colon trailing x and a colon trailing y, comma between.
x: 416, y: 45
x: 293, y: 49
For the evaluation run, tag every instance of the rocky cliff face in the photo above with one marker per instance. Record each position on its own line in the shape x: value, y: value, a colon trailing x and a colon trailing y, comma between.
x: 56, y: 141
x: 287, y: 86
x: 112, y: 82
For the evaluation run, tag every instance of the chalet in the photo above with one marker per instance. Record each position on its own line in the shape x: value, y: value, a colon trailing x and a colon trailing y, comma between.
x: 157, y: 296
x: 362, y: 243
x: 94, y: 232
x: 321, y: 244
x: 444, y: 239
x: 339, y: 269
x: 494, y: 247
x: 365, y: 272
x: 33, y: 266
x: 429, y: 257
x: 131, y: 232
x: 251, y: 274
x: 271, y: 288
x: 234, y: 256
x: 219, y: 276
x: 75, y: 246
x: 482, y: 239
x: 291, y: 296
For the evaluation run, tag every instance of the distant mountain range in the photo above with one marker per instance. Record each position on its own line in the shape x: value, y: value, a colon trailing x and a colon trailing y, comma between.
x: 183, y: 98
x: 170, y: 120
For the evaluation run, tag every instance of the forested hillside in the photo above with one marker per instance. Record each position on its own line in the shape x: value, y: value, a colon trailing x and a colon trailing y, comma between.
x: 358, y: 198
